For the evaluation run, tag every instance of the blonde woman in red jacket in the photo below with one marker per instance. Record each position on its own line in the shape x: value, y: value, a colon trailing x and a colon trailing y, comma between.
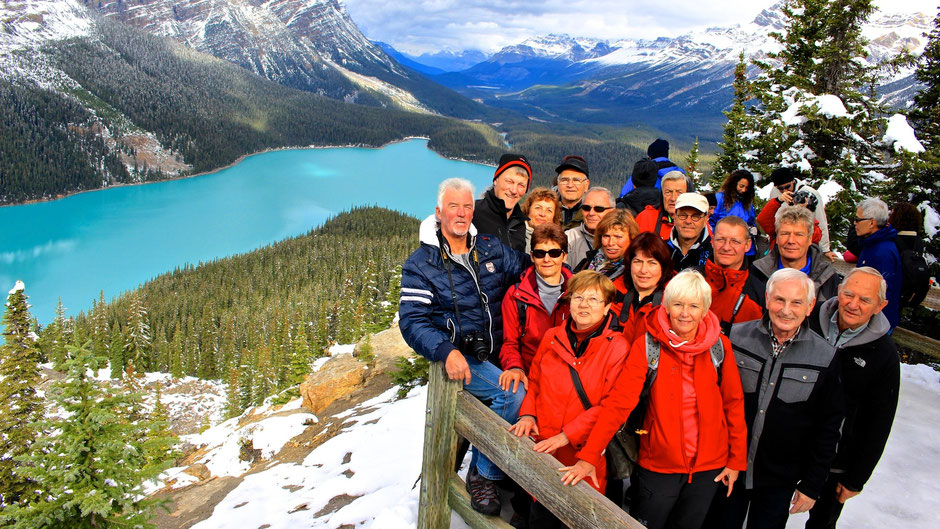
x: 552, y: 412
x: 694, y: 417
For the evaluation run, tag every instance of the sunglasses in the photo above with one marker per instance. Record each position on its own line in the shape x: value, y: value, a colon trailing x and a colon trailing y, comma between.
x: 554, y: 253
x: 862, y: 219
x: 597, y: 209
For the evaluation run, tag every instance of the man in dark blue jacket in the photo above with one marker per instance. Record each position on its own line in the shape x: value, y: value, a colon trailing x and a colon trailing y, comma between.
x: 451, y: 293
x: 878, y: 243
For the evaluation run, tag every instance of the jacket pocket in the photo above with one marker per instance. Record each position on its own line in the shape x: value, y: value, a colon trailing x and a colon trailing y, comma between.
x: 749, y: 369
x: 796, y: 384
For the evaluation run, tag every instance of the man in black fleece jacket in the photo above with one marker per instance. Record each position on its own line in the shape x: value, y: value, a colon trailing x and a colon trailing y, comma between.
x: 854, y: 324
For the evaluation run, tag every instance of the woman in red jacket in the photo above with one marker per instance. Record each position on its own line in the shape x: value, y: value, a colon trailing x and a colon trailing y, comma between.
x: 651, y: 267
x: 586, y: 349
x: 695, y: 412
x: 534, y: 305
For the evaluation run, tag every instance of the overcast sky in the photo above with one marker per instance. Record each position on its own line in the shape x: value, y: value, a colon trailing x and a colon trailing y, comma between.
x: 418, y: 26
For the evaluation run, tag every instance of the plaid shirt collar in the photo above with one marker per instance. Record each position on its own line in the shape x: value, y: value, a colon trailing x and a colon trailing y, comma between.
x: 778, y: 347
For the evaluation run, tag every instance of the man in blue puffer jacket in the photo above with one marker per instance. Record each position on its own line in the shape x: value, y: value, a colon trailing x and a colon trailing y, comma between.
x: 878, y: 243
x: 450, y: 311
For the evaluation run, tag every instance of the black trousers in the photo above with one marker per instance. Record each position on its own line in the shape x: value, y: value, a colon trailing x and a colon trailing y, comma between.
x: 825, y: 513
x: 764, y: 507
x: 672, y: 501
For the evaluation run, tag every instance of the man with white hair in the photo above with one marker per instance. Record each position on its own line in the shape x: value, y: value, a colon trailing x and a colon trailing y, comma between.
x: 595, y: 205
x: 660, y: 220
x: 793, y: 407
x: 856, y: 325
x: 794, y: 249
x: 879, y: 250
x: 450, y: 311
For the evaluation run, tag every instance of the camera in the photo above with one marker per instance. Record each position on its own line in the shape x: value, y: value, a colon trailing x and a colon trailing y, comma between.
x: 475, y: 345
x: 806, y: 199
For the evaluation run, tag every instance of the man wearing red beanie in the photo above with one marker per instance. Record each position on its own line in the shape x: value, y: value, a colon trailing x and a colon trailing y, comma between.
x: 497, y: 213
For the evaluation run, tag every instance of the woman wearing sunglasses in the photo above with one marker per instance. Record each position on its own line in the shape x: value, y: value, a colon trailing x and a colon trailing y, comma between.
x: 533, y: 306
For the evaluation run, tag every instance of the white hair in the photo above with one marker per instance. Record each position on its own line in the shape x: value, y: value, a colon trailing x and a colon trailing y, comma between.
x: 794, y: 214
x: 876, y: 209
x: 598, y: 189
x: 882, y: 284
x: 674, y: 175
x: 688, y: 284
x: 792, y: 274
x: 458, y: 184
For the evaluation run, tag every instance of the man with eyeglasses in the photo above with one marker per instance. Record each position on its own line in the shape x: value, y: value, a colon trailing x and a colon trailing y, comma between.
x: 879, y: 250
x: 736, y: 295
x: 689, y: 241
x: 573, y: 182
x: 660, y: 219
x: 786, y: 187
x: 597, y: 203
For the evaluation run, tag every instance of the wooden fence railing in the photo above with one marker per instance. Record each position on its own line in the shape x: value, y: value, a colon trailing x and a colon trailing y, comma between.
x: 452, y: 412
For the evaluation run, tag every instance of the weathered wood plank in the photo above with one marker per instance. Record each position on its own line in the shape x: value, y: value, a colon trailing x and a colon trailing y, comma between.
x: 579, y: 507
x: 917, y: 342
x: 460, y: 502
x: 440, y: 449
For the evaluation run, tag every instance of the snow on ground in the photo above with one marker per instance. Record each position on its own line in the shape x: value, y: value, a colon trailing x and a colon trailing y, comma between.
x: 376, y: 461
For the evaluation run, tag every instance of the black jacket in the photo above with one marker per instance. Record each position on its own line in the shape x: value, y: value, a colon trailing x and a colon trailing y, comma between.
x: 636, y: 201
x: 793, y: 406
x: 871, y: 374
x: 489, y: 217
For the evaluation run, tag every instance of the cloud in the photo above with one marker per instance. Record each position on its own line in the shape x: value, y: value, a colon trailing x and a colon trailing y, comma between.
x: 421, y: 26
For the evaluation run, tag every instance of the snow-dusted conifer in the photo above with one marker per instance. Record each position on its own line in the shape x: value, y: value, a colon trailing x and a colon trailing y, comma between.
x: 139, y: 340
x: 691, y: 164
x: 735, y: 139
x: 90, y: 471
x: 21, y: 405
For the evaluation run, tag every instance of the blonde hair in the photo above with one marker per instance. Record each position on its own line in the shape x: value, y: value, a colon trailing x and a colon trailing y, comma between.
x: 587, y: 279
x: 688, y: 284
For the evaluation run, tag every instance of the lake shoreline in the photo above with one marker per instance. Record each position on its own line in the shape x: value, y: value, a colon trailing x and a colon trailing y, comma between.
x: 239, y: 160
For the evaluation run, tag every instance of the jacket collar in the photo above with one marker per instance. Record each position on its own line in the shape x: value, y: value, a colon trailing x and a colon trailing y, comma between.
x: 497, y: 206
x: 877, y: 326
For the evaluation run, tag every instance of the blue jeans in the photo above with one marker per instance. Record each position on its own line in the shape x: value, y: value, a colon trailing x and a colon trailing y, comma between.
x: 484, y: 385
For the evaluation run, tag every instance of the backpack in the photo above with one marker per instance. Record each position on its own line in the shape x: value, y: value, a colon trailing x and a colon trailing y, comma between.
x: 915, y: 275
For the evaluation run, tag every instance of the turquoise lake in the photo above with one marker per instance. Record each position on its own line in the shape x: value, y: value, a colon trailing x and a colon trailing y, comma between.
x: 118, y: 238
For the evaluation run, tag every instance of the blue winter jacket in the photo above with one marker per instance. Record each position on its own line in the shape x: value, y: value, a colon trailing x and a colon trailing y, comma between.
x: 665, y: 166
x: 737, y: 209
x: 426, y: 307
x: 880, y: 251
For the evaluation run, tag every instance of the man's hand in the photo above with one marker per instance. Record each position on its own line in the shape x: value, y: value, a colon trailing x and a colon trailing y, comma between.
x: 786, y: 196
x: 512, y: 377
x: 457, y: 367
x: 580, y: 470
x: 551, y: 444
x: 801, y: 502
x: 843, y: 493
x: 525, y: 426
x: 728, y: 477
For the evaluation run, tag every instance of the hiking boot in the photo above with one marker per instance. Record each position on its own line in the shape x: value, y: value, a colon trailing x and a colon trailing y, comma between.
x: 484, y: 498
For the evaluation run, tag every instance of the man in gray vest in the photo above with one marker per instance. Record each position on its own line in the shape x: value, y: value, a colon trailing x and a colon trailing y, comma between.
x: 793, y: 406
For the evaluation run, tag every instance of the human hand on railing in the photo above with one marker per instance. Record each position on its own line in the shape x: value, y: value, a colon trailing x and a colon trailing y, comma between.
x: 525, y: 426
x: 457, y: 367
x: 728, y: 477
x: 512, y: 377
x: 579, y: 471
x: 552, y: 443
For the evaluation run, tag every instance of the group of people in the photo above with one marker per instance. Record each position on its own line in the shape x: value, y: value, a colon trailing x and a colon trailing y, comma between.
x: 756, y: 386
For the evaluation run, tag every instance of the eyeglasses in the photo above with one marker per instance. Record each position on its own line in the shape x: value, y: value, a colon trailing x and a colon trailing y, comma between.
x: 597, y: 209
x: 721, y: 241
x: 695, y: 216
x: 592, y: 301
x: 570, y: 180
x: 554, y: 253
x: 862, y: 219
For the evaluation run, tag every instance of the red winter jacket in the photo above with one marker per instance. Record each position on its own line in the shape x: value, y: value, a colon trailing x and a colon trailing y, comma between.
x: 716, y: 413
x: 554, y: 403
x: 766, y: 219
x: 537, y: 320
x: 647, y: 218
x: 726, y: 289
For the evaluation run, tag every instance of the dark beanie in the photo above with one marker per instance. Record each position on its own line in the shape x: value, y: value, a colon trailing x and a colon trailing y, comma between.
x: 658, y: 149
x: 508, y: 160
x: 781, y: 176
x: 645, y: 173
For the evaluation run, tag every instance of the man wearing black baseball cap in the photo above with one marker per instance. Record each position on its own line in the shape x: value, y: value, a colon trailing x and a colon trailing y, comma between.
x: 498, y: 213
x: 572, y: 182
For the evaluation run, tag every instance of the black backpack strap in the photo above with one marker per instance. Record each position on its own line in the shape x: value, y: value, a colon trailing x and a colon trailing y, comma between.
x: 576, y: 379
x: 726, y: 325
x: 628, y: 299
x: 523, y: 312
x: 717, y: 352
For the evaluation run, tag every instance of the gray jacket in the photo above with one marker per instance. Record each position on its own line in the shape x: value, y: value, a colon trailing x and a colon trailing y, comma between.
x: 793, y: 406
x: 580, y: 242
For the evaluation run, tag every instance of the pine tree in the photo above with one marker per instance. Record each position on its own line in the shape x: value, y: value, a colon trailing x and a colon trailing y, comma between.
x: 91, y: 471
x: 301, y: 357
x: 100, y: 338
x: 735, y: 143
x: 21, y: 406
x: 116, y: 352
x: 691, y: 164
x: 139, y: 341
x: 56, y: 337
x: 233, y: 401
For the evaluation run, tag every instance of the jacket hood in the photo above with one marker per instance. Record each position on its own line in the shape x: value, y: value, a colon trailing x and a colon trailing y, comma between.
x: 709, y: 331
x: 427, y: 233
x: 877, y: 327
x: 885, y: 234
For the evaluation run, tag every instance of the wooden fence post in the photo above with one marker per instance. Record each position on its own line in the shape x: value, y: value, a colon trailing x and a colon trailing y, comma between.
x: 440, y: 448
